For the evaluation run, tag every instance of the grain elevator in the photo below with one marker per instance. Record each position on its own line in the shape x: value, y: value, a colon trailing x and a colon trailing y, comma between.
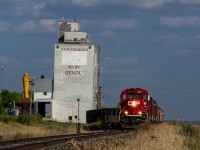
x: 76, y: 74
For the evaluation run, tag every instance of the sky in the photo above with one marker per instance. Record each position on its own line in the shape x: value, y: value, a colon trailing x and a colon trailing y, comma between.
x: 151, y: 44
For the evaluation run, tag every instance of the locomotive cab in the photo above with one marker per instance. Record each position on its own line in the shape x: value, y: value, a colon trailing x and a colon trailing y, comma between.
x: 133, y: 105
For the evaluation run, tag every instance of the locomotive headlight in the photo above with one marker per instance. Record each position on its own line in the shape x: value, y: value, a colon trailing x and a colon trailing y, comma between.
x: 126, y: 112
x: 139, y: 112
x: 134, y: 103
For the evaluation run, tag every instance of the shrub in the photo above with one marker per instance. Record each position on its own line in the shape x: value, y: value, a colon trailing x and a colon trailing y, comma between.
x: 24, y: 120
x: 7, y: 119
x: 35, y: 118
x: 2, y: 110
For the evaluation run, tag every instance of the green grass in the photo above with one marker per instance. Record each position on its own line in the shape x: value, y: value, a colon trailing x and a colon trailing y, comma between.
x: 192, y: 134
x: 99, y: 124
x: 33, y: 120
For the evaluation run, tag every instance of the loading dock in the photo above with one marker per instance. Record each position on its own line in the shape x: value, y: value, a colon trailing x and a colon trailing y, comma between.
x: 44, y: 108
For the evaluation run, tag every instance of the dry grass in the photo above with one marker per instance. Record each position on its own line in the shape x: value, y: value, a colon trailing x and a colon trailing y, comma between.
x: 155, y: 137
x: 16, y: 130
x: 158, y: 137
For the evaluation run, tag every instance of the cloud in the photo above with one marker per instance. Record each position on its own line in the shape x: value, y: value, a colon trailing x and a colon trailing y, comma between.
x: 110, y: 24
x: 151, y: 3
x: 4, y: 26
x: 120, y: 23
x: 86, y: 3
x: 142, y: 3
x: 21, y: 8
x: 168, y: 39
x: 187, y: 53
x: 43, y: 63
x: 9, y: 61
x: 176, y: 22
x: 41, y: 26
x: 120, y: 66
x: 133, y: 3
x: 189, y: 1
x: 175, y: 39
x: 108, y: 33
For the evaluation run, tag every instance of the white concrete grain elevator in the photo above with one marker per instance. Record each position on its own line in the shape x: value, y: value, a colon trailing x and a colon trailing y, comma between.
x: 76, y: 74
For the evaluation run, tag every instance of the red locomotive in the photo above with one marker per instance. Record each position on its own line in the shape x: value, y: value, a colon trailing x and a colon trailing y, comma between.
x: 137, y: 106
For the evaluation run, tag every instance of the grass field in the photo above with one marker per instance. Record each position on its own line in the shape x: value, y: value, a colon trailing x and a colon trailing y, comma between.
x: 32, y: 126
x: 165, y: 136
x: 147, y: 137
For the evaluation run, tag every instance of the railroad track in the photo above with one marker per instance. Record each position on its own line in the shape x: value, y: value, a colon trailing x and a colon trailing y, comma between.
x: 42, y: 142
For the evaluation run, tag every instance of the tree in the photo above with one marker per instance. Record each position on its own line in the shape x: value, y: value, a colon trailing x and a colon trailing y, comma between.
x: 2, y: 109
x: 8, y: 98
x: 16, y: 97
x: 5, y: 97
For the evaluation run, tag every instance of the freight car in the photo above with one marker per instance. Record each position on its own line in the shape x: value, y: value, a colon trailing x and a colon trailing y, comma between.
x: 109, y: 116
x: 136, y: 106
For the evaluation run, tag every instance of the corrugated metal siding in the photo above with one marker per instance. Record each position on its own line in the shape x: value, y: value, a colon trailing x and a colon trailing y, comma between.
x: 81, y: 83
x: 42, y: 85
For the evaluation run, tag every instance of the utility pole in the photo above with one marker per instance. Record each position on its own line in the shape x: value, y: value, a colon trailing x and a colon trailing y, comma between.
x: 2, y: 79
x: 78, y: 130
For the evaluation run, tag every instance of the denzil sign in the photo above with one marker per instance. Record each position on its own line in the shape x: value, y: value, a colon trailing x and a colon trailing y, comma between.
x: 72, y: 73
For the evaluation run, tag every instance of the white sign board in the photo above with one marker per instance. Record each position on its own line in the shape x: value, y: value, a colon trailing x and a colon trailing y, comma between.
x: 77, y: 58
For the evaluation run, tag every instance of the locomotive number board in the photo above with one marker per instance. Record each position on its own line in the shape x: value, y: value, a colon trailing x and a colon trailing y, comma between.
x: 139, y: 91
x: 131, y: 91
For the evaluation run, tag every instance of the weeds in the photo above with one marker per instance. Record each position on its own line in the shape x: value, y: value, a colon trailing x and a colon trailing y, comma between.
x: 192, y: 134
x: 154, y: 137
x: 32, y: 126
x: 99, y: 124
x: 17, y: 135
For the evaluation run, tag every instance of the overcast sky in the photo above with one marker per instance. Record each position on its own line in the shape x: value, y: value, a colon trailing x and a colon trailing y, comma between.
x: 152, y: 44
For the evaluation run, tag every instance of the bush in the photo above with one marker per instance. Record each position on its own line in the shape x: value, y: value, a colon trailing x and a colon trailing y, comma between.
x: 2, y: 110
x: 24, y: 119
x: 35, y: 118
x: 7, y: 119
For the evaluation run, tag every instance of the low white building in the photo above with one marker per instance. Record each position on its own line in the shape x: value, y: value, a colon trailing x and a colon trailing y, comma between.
x: 43, y: 96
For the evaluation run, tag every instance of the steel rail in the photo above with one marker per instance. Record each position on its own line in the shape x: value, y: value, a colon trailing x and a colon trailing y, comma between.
x: 42, y: 142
